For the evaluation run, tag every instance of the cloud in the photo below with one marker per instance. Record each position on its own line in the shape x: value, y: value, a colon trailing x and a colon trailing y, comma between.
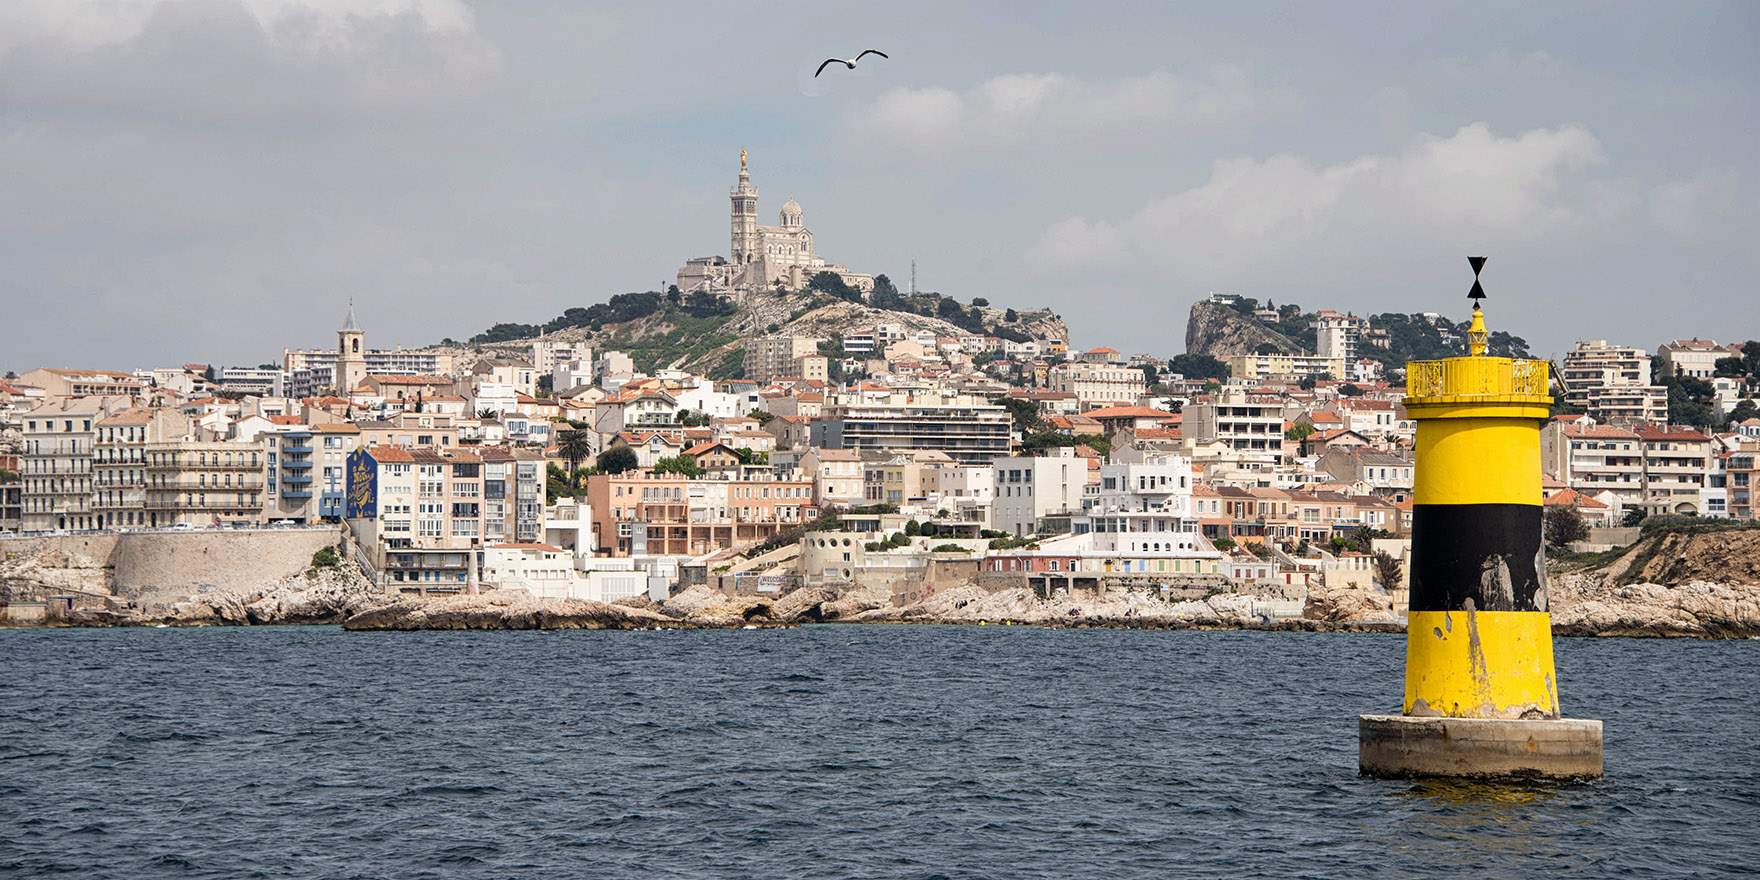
x: 1035, y: 112
x: 275, y: 62
x: 1471, y: 186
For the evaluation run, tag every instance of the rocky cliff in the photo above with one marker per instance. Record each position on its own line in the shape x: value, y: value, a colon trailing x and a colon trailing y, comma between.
x: 1222, y: 333
x: 1685, y: 583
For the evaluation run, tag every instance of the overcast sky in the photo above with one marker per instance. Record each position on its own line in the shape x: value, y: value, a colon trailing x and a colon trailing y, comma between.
x: 211, y: 180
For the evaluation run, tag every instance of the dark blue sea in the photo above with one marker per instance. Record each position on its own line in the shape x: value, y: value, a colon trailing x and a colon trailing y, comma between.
x: 829, y: 752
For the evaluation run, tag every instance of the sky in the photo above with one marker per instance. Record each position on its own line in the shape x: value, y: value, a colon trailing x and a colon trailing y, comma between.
x: 214, y: 180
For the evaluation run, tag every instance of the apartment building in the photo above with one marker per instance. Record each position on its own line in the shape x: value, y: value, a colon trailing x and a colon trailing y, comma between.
x: 1253, y: 426
x: 56, y: 467
x: 84, y: 383
x: 1338, y: 336
x: 972, y: 434
x: 513, y: 494
x: 1694, y: 357
x: 1742, y: 483
x: 837, y: 477
x: 332, y: 444
x: 1676, y: 463
x: 418, y: 515
x: 1098, y: 384
x: 1286, y: 367
x: 1593, y: 459
x: 11, y: 504
x: 1612, y: 384
x: 119, y: 461
x: 1383, y: 473
x: 1031, y: 488
x: 291, y: 480
x: 203, y: 482
x: 768, y: 357
x: 640, y: 513
x: 1142, y: 492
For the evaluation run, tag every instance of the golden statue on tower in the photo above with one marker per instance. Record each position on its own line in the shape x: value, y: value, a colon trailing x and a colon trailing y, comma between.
x: 742, y: 158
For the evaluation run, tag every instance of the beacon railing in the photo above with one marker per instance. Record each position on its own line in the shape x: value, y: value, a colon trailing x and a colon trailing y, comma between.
x: 1478, y: 377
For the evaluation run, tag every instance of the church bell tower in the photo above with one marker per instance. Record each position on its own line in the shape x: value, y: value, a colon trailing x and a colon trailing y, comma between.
x: 351, y: 355
x: 745, y: 218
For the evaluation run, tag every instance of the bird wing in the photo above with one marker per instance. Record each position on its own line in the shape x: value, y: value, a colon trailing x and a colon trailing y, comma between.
x: 827, y: 62
x: 872, y: 52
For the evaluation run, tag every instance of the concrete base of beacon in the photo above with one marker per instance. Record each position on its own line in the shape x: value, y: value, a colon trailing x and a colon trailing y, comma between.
x: 1403, y: 747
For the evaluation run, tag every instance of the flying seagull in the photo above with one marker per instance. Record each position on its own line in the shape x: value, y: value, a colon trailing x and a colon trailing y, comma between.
x: 849, y: 64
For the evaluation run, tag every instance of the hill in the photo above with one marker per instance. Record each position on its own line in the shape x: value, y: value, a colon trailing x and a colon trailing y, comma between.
x: 707, y: 333
x: 1225, y: 330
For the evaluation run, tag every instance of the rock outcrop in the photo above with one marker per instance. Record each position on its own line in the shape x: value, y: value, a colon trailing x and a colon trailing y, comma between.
x: 970, y: 604
x: 505, y: 609
x: 1702, y: 582
x: 1221, y: 332
x: 1337, y: 604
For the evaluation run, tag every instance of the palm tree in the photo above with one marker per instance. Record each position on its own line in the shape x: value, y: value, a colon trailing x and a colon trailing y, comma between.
x: 574, y: 446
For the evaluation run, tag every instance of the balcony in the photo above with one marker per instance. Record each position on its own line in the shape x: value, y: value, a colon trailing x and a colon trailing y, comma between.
x: 296, y: 493
x: 297, y: 450
x: 297, y: 480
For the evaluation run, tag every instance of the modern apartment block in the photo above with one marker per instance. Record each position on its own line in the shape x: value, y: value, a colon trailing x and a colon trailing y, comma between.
x: 204, y: 482
x: 975, y: 434
x: 1142, y: 493
x: 1247, y: 425
x: 642, y: 514
x: 1612, y: 384
x: 1338, y: 336
x: 1031, y: 488
x: 1742, y: 484
x: 771, y: 356
x: 1098, y: 384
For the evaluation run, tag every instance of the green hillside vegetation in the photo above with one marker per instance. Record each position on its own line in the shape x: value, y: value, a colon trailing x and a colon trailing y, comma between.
x: 1412, y: 337
x: 659, y: 330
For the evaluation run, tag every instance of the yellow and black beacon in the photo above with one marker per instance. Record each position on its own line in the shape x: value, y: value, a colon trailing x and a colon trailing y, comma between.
x: 1481, y: 697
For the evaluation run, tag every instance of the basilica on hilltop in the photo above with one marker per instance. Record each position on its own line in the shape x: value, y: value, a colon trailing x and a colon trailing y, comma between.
x: 763, y: 257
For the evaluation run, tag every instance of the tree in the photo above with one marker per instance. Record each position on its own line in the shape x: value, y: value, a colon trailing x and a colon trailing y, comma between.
x: 980, y: 301
x: 762, y: 416
x: 486, y: 414
x: 913, y: 528
x: 899, y: 540
x: 1151, y: 375
x: 1349, y: 390
x: 683, y: 465
x: 1745, y: 410
x: 1730, y: 366
x: 617, y: 460
x: 1024, y: 412
x: 1308, y: 383
x: 1562, y: 524
x: 1633, y: 517
x: 833, y: 283
x: 1011, y: 316
x: 1387, y: 570
x: 1300, y: 431
x: 1224, y: 544
x: 1751, y: 357
x: 1198, y: 366
x: 574, y: 446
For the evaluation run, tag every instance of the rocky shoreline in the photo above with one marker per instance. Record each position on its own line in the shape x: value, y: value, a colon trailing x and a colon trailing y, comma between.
x: 1613, y: 601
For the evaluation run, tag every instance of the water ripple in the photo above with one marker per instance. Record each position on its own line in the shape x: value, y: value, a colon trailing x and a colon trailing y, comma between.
x: 899, y: 752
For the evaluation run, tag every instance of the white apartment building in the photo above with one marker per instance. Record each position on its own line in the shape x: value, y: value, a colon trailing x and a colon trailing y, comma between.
x: 1098, y: 384
x: 1142, y: 492
x: 1612, y: 384
x: 1030, y: 488
x: 119, y: 464
x: 1338, y: 336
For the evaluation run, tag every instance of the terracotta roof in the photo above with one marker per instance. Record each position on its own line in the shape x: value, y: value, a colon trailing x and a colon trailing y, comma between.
x: 1127, y: 412
x: 1671, y: 432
